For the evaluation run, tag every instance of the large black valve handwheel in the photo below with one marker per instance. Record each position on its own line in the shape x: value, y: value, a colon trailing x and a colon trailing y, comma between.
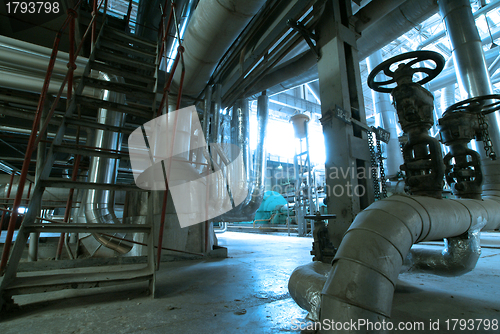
x: 479, y: 104
x: 406, y: 69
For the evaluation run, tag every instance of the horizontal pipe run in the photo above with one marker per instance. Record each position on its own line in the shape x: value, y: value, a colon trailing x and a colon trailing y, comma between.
x: 365, y: 269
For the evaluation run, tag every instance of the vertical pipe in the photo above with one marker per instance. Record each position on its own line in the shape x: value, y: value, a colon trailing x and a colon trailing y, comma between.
x: 217, y: 107
x: 472, y: 74
x: 382, y: 105
x: 207, y: 112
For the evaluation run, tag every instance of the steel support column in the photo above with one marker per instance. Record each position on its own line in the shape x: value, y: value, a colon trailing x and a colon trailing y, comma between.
x: 347, y: 153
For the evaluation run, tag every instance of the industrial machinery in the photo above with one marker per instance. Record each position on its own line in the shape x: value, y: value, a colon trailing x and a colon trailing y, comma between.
x: 379, y: 240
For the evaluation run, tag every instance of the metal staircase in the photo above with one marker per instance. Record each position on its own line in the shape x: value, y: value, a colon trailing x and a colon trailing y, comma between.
x: 135, y: 60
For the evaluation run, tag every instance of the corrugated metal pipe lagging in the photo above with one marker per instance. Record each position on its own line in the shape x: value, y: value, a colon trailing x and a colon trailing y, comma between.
x: 254, y: 176
x: 213, y: 28
x: 99, y: 204
x: 363, y: 276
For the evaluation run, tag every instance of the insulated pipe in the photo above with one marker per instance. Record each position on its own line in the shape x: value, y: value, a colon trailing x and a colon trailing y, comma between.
x: 305, y: 285
x: 22, y: 55
x: 473, y: 76
x: 207, y: 112
x: 240, y: 136
x: 260, y: 162
x: 373, y: 12
x: 447, y: 93
x: 215, y: 134
x: 397, y: 22
x: 365, y: 269
x: 99, y: 204
x: 382, y: 105
x: 486, y: 9
x: 214, y: 26
x: 51, y: 194
x: 448, y: 76
x: 459, y: 256
x: 256, y: 176
x: 287, y: 70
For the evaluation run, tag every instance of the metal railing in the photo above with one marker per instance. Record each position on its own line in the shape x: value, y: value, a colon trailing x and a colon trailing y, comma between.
x: 36, y: 136
x: 162, y: 55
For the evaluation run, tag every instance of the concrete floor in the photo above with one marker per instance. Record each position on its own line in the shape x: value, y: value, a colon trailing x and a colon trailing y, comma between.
x: 245, y: 293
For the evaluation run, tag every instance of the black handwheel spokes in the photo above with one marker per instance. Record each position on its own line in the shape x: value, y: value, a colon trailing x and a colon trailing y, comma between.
x: 405, y: 71
x: 479, y: 104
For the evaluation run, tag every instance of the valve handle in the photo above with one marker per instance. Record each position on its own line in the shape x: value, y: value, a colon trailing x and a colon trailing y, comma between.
x: 478, y: 104
x: 404, y: 72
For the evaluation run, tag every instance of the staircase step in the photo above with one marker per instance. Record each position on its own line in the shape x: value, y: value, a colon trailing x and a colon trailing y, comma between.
x: 94, y: 125
x: 130, y: 38
x: 122, y: 71
x: 88, y: 228
x: 132, y: 90
x: 66, y: 183
x: 126, y: 48
x: 135, y: 109
x: 90, y: 152
x: 124, y: 60
x: 54, y: 282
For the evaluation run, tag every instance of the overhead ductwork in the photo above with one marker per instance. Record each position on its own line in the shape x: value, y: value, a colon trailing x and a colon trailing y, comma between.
x: 215, y: 25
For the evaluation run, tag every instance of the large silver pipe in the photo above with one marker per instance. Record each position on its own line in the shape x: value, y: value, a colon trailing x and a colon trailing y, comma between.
x: 305, y: 285
x: 28, y: 57
x: 207, y: 112
x: 99, y: 204
x: 365, y: 269
x: 260, y: 163
x: 55, y: 195
x: 373, y: 12
x: 215, y: 134
x: 256, y: 175
x: 382, y: 105
x: 447, y: 93
x: 240, y: 135
x: 484, y: 10
x: 459, y: 256
x: 214, y: 26
x: 394, y: 24
x: 449, y: 77
x: 473, y: 76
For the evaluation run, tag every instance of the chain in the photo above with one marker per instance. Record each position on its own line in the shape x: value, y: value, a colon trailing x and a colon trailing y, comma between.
x: 488, y: 147
x: 373, y: 163
x: 382, y: 171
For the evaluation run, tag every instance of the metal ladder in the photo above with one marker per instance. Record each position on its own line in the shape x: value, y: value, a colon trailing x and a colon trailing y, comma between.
x: 135, y: 60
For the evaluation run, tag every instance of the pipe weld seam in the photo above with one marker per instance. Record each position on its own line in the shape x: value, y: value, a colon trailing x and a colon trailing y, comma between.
x: 234, y: 12
x: 365, y: 265
x: 391, y: 214
x: 428, y: 216
x: 350, y: 302
x: 380, y: 235
x: 470, y: 213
